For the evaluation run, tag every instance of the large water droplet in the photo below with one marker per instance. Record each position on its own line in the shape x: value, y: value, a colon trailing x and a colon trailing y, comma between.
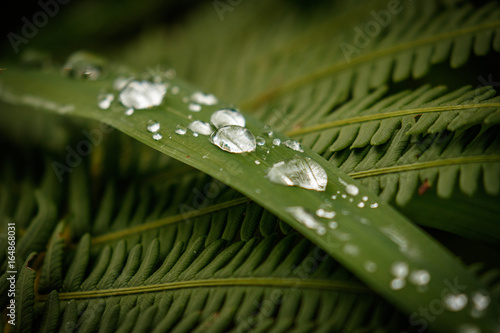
x: 104, y: 101
x: 226, y: 117
x: 293, y: 145
x: 200, y: 127
x: 302, y: 172
x: 201, y: 98
x: 301, y: 215
x: 234, y: 139
x: 142, y: 95
x: 153, y: 126
x: 455, y: 302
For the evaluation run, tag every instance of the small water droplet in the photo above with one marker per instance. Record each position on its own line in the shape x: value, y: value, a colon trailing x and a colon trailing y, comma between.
x: 226, y: 117
x: 84, y: 65
x: 257, y: 190
x: 344, y: 196
x: 398, y: 283
x: 325, y: 214
x: 351, y: 249
x: 302, y: 172
x: 293, y: 145
x: 153, y: 126
x: 157, y: 136
x: 364, y: 198
x: 260, y: 141
x: 200, y: 127
x: 332, y: 225
x: 276, y: 142
x: 185, y: 99
x: 420, y: 277
x: 268, y: 131
x: 170, y: 74
x: 481, y: 300
x: 370, y: 266
x: 374, y: 205
x: 351, y: 199
x: 175, y: 90
x: 195, y: 134
x: 194, y: 107
x: 301, y: 215
x: 142, y: 94
x: 129, y: 111
x: 352, y: 190
x: 400, y: 269
x: 345, y: 212
x: 104, y: 101
x: 201, y: 98
x: 234, y: 139
x: 361, y: 204
x: 181, y: 130
x: 257, y: 162
x: 455, y: 302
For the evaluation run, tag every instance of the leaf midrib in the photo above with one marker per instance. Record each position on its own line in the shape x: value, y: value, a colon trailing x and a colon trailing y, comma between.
x: 319, y: 284
x: 265, y: 97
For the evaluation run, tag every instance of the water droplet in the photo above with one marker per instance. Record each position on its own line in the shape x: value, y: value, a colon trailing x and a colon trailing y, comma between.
x: 345, y: 212
x: 170, y: 74
x: 181, y: 130
x: 195, y: 134
x: 302, y: 172
x: 420, y: 277
x: 201, y: 98
x: 142, y: 95
x: 400, y: 269
x: 276, y: 142
x: 234, y: 139
x: 467, y: 328
x: 104, y: 101
x: 325, y: 214
x: 268, y: 131
x: 120, y: 82
x: 361, y: 204
x: 370, y: 266
x: 364, y: 198
x: 84, y: 65
x: 344, y: 196
x: 200, y: 127
x: 157, y: 136
x: 293, y: 145
x: 194, y: 107
x: 175, y: 90
x: 332, y: 225
x: 374, y: 205
x: 153, y: 126
x: 398, y: 284
x: 352, y: 190
x: 351, y: 249
x: 481, y: 300
x: 334, y: 197
x: 260, y: 141
x: 301, y: 215
x: 257, y: 162
x: 226, y: 117
x: 455, y: 302
x: 257, y: 190
x: 129, y: 111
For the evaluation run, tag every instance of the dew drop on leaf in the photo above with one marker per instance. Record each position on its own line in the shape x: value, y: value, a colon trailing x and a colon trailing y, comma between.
x: 175, y: 90
x: 129, y: 111
x: 455, y: 302
x: 400, y: 269
x: 153, y: 126
x: 226, y: 117
x: 420, y: 277
x: 234, y: 139
x: 194, y: 107
x: 200, y: 127
x: 325, y: 214
x: 104, y: 101
x: 293, y: 145
x: 142, y: 95
x: 181, y: 130
x: 352, y: 190
x: 299, y: 171
x: 276, y: 142
x: 308, y: 220
x: 157, y: 136
x: 398, y: 283
x: 481, y: 300
x: 201, y: 98
x: 260, y: 141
